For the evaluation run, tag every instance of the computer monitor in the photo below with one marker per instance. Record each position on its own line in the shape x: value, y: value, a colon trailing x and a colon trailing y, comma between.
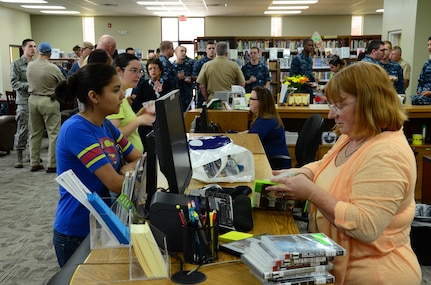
x: 224, y: 96
x: 171, y: 143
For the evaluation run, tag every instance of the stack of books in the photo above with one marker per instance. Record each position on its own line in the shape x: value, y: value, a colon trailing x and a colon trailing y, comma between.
x: 292, y: 259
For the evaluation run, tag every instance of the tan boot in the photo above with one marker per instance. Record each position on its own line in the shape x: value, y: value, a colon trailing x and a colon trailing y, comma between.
x: 18, y: 163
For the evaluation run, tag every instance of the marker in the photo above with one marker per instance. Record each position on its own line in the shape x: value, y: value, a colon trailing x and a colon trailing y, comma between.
x: 181, y: 214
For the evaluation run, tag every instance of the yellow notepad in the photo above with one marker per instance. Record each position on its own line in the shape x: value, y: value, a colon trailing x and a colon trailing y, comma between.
x: 234, y: 236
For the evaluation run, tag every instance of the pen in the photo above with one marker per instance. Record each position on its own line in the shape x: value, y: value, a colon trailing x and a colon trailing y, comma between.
x: 181, y: 214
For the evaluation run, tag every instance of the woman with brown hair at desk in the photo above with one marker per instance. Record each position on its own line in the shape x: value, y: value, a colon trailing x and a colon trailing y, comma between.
x: 362, y: 190
x: 87, y: 145
x: 268, y: 125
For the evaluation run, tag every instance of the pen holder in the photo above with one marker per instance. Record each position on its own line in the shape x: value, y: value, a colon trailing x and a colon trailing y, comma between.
x: 200, y: 244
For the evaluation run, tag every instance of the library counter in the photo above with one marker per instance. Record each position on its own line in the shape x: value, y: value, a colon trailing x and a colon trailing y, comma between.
x: 110, y: 266
x: 100, y: 266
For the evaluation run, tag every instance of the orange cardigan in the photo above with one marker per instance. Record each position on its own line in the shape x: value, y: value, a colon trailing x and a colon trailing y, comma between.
x: 376, y: 206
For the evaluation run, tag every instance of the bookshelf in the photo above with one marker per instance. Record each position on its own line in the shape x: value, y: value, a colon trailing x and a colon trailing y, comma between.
x: 287, y: 48
x: 292, y: 43
x: 65, y: 63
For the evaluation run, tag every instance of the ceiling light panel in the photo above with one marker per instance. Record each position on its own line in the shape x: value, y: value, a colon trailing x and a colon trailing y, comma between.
x: 281, y: 12
x: 25, y: 1
x: 293, y: 2
x: 159, y: 3
x: 42, y: 7
x: 58, y: 12
x: 166, y: 8
x: 288, y: 7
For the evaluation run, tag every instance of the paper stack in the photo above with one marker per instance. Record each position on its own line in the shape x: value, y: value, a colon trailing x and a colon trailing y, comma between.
x: 292, y: 259
x: 117, y: 231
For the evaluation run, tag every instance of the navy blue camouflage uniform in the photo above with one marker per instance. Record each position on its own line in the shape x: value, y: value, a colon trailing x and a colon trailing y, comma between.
x: 260, y: 71
x: 303, y: 65
x: 169, y: 72
x: 424, y: 84
x: 186, y: 88
x: 394, y: 69
x: 196, y: 69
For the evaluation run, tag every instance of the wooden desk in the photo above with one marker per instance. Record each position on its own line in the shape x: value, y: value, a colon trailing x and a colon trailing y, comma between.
x: 103, y: 266
x: 227, y: 119
x: 100, y: 266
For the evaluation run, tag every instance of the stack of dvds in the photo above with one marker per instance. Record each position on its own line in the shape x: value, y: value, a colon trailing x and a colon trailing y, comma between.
x: 292, y: 259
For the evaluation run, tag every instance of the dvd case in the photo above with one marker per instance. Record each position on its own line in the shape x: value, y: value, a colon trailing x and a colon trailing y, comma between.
x: 252, y: 263
x: 288, y: 247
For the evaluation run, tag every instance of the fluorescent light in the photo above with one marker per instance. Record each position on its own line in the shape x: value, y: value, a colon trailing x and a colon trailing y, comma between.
x: 149, y: 3
x: 380, y: 10
x: 42, y: 7
x: 165, y: 8
x: 287, y: 7
x: 59, y: 12
x: 25, y: 1
x: 172, y: 13
x: 282, y: 12
x: 294, y: 2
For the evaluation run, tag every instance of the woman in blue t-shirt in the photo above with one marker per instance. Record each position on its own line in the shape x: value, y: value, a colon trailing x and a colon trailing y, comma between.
x: 268, y: 125
x: 86, y: 144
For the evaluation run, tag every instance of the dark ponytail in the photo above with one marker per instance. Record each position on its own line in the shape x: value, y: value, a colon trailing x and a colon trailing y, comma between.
x: 93, y: 76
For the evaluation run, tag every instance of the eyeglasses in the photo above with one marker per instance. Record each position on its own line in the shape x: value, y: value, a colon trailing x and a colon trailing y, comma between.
x: 135, y: 71
x: 254, y: 99
x: 334, y: 108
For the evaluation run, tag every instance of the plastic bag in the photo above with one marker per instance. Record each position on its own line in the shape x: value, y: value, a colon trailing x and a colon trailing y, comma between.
x: 217, y: 159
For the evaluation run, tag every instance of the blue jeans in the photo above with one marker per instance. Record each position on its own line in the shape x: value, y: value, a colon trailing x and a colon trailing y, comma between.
x: 65, y: 246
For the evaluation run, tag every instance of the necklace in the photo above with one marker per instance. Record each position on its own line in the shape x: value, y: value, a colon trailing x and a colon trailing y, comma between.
x: 348, y: 145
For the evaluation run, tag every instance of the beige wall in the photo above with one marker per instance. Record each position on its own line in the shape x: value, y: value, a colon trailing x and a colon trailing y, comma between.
x: 142, y: 32
x: 411, y: 17
x: 63, y: 32
x: 291, y: 26
x: 373, y: 24
x: 237, y: 26
x: 15, y: 27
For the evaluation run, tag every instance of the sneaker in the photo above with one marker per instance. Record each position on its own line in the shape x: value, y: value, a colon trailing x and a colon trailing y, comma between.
x: 51, y: 170
x: 18, y: 164
x: 36, y: 168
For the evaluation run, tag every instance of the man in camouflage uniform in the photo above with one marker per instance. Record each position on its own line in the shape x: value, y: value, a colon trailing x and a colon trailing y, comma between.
x: 424, y: 83
x: 184, y: 67
x: 18, y: 80
x: 255, y: 72
x: 210, y: 55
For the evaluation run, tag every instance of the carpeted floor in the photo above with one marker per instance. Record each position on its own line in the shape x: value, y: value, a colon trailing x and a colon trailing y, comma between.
x: 29, y: 201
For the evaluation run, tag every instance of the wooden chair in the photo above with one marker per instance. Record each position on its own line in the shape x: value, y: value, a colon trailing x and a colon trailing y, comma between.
x: 11, y: 102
